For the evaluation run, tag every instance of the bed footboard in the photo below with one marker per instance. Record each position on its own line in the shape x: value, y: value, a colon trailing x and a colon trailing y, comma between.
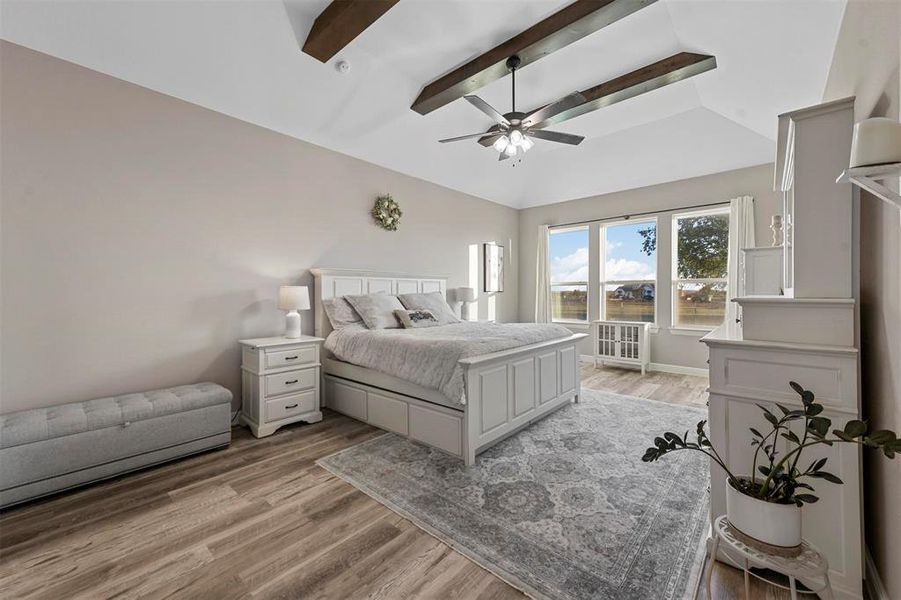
x: 505, y: 391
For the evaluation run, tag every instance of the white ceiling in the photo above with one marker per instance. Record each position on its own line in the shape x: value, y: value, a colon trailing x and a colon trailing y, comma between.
x: 243, y: 58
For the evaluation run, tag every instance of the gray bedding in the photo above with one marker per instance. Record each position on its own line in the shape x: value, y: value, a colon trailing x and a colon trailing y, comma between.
x: 429, y: 356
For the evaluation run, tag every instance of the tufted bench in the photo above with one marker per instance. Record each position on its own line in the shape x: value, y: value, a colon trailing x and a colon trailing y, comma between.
x: 46, y: 450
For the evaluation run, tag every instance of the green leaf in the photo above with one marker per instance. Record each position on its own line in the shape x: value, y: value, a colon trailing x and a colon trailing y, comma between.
x: 807, y: 397
x: 819, y: 425
x: 855, y: 428
x: 650, y: 455
x: 842, y: 435
x: 827, y: 476
x: 882, y: 436
x: 784, y: 410
x: 755, y: 432
x: 806, y: 498
x: 813, y: 410
x: 818, y: 464
x: 796, y: 387
x: 764, y: 470
x: 791, y: 436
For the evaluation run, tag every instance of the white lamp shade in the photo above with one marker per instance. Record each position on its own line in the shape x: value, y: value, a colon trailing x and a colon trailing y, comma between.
x: 466, y: 294
x: 294, y: 297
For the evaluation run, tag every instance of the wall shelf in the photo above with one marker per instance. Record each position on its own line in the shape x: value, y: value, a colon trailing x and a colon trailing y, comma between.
x: 866, y: 178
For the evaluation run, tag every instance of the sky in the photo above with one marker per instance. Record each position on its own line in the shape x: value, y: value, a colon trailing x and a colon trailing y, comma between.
x: 568, y: 252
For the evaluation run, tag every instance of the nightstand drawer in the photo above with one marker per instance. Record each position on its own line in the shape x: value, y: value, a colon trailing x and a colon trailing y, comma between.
x: 290, y: 381
x: 282, y: 408
x: 286, y: 358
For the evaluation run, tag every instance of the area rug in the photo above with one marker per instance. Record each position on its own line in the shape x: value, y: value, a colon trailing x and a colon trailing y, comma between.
x: 565, y: 509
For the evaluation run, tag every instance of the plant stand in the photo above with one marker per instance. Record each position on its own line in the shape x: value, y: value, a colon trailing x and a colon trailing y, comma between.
x: 809, y: 567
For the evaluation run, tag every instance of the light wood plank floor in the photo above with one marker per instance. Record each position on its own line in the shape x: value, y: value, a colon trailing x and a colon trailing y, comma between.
x: 261, y: 520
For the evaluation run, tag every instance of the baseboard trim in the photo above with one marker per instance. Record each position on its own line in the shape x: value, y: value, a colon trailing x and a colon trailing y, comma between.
x: 661, y: 367
x: 678, y: 369
x: 872, y: 582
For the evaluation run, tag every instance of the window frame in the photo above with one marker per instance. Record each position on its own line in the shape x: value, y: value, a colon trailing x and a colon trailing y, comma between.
x: 551, y: 284
x: 674, y: 255
x: 602, y: 267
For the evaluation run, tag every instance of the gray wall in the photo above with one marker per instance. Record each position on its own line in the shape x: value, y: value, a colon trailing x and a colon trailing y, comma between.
x: 666, y: 347
x: 142, y: 236
x: 867, y: 64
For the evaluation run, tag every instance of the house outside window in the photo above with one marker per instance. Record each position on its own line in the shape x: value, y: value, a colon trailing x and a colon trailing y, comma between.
x: 568, y: 260
x: 628, y: 271
x: 700, y: 259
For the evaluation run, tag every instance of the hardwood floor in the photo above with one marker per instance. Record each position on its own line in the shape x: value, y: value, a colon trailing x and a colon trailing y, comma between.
x: 261, y: 520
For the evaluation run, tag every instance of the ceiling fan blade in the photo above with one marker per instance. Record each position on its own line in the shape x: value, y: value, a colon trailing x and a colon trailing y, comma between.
x: 546, y: 112
x: 462, y: 137
x: 556, y: 136
x: 487, y: 109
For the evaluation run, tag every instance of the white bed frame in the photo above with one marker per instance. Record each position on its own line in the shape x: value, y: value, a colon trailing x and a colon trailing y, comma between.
x: 505, y: 391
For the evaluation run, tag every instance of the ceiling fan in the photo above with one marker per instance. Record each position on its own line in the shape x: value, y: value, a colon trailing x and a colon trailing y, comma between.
x: 513, y: 132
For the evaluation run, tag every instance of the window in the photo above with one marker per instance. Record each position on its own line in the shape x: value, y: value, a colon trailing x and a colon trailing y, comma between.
x: 629, y: 271
x: 568, y: 258
x: 700, y: 251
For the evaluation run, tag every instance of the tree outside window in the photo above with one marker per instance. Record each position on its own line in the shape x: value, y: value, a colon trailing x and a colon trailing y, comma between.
x: 700, y: 259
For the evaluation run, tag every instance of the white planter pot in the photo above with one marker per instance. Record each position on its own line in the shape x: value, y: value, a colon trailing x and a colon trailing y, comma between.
x: 774, y: 524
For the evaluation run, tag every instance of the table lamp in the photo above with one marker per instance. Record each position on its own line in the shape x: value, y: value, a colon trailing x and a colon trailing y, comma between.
x: 293, y: 298
x: 465, y: 295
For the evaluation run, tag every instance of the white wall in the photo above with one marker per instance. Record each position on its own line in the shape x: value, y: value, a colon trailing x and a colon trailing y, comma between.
x: 142, y: 236
x: 667, y: 347
x: 867, y: 65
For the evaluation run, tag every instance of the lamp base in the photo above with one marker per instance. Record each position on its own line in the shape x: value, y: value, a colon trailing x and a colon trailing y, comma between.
x: 292, y: 324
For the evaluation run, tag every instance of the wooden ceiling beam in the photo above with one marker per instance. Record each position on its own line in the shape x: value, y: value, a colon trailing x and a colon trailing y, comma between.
x: 340, y: 23
x: 570, y: 24
x: 654, y: 76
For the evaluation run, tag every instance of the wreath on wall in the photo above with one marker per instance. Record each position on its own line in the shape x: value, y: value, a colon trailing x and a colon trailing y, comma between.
x: 386, y: 212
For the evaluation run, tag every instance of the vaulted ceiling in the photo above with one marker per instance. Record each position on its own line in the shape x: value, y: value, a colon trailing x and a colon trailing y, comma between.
x: 243, y: 58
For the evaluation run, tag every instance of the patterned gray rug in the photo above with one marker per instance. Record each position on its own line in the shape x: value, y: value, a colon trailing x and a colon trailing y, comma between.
x: 565, y: 509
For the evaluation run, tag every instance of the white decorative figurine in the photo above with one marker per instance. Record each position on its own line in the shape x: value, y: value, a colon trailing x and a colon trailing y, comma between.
x: 776, y: 226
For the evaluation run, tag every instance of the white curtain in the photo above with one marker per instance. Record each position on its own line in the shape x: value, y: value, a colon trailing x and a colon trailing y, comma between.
x: 543, y: 279
x: 741, y: 235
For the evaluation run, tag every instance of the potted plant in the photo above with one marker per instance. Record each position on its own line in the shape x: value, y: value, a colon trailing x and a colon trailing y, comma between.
x: 766, y: 505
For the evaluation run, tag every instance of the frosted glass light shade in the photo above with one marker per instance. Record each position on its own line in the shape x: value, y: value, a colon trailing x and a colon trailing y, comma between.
x: 293, y: 297
x: 466, y: 294
x: 876, y: 141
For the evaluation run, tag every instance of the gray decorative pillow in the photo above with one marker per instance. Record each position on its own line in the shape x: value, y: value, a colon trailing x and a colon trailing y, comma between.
x: 340, y: 313
x: 413, y: 319
x: 433, y: 302
x: 377, y: 310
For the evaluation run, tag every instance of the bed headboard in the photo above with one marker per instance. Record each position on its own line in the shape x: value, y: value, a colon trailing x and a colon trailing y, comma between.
x: 331, y: 283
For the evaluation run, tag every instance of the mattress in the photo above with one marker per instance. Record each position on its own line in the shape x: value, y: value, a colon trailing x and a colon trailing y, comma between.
x: 430, y: 356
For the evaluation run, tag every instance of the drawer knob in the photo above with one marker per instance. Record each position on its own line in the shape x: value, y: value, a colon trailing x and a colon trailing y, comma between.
x: 293, y: 381
x: 291, y: 358
x: 292, y: 406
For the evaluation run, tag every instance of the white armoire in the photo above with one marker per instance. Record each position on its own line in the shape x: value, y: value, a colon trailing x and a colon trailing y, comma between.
x: 806, y: 334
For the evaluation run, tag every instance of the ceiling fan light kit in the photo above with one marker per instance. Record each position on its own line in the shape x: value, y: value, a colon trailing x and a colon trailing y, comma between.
x: 513, y: 132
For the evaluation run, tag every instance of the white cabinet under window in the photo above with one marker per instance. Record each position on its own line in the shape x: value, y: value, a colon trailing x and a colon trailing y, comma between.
x: 621, y: 342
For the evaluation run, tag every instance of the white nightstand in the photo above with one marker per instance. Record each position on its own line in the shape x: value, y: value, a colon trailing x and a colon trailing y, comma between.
x: 279, y: 382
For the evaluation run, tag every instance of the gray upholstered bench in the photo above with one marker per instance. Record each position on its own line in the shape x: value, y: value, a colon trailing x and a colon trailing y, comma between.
x: 47, y: 450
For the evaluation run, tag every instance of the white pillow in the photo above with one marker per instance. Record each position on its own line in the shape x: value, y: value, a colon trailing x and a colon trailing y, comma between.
x: 433, y: 302
x: 415, y: 319
x: 377, y: 310
x: 340, y: 313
